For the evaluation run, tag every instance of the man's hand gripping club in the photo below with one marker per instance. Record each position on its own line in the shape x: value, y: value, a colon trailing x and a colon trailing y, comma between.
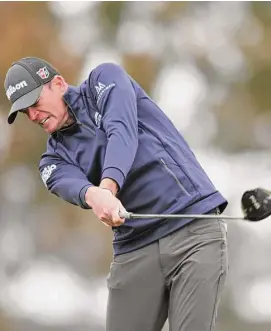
x: 104, y: 203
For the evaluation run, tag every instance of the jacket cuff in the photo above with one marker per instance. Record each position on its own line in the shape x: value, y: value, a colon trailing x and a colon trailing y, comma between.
x: 82, y: 197
x: 115, y: 174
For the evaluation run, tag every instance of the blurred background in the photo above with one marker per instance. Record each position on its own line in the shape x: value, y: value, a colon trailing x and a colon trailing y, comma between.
x: 208, y: 65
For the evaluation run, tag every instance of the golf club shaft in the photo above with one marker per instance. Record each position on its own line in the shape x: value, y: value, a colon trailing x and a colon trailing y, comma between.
x: 128, y: 215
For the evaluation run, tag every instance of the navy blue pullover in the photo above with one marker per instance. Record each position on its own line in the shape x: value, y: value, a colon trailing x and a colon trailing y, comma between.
x: 120, y: 133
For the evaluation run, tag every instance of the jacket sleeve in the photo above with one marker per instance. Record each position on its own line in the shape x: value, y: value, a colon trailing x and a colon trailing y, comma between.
x: 117, y: 114
x: 64, y: 180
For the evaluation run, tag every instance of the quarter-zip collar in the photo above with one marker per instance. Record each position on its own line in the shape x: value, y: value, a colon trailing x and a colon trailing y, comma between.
x: 71, y: 95
x: 71, y: 98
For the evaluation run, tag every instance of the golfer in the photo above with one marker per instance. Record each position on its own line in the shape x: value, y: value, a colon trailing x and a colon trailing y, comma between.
x: 111, y: 148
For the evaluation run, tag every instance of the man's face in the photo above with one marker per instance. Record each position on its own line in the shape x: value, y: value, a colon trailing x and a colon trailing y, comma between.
x: 50, y: 111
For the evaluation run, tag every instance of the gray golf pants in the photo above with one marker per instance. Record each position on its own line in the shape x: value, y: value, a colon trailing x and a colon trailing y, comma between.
x: 179, y: 277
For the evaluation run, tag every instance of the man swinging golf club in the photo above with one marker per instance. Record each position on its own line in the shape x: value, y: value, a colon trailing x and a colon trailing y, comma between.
x: 112, y: 149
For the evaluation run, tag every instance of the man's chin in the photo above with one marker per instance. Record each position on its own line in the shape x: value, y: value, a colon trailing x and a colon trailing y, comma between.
x: 49, y: 130
x: 52, y: 127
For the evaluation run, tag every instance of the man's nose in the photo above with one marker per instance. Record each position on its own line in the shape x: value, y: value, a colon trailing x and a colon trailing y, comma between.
x: 32, y: 113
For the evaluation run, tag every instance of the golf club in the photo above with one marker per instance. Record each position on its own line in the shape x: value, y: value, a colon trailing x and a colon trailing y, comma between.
x: 255, y: 204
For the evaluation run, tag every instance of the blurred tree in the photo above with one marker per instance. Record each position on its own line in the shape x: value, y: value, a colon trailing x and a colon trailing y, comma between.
x: 259, y: 58
x: 168, y: 11
x: 110, y: 14
x: 5, y: 324
x: 142, y: 67
x: 249, y: 97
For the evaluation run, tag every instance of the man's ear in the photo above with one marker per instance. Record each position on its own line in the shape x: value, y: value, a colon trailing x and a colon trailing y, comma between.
x: 59, y: 83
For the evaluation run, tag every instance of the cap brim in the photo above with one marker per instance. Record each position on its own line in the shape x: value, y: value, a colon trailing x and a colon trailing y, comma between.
x: 24, y: 102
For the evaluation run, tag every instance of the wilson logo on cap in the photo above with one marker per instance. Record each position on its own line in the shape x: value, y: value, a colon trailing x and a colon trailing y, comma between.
x: 13, y: 88
x: 43, y: 73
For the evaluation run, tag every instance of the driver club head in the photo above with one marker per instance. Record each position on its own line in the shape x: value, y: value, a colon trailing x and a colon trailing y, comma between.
x: 256, y: 204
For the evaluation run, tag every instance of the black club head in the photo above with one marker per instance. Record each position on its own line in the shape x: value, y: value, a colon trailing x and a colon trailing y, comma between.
x: 256, y: 204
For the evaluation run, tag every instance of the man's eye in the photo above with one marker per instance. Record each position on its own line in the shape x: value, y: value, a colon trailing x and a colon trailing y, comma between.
x: 35, y: 105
